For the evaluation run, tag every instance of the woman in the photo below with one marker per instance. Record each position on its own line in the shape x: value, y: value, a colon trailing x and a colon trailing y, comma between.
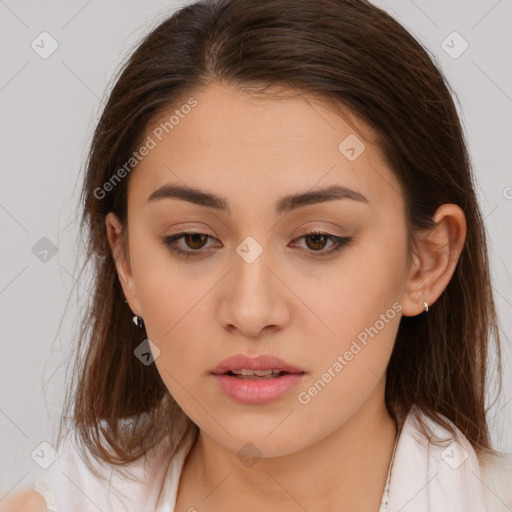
x: 280, y: 195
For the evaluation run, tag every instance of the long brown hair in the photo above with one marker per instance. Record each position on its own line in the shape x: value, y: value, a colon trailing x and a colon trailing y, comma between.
x: 353, y: 55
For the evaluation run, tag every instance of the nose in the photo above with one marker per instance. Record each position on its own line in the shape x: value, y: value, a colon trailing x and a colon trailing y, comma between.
x: 255, y: 297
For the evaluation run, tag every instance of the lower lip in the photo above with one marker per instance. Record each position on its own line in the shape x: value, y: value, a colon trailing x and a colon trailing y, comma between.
x: 256, y: 392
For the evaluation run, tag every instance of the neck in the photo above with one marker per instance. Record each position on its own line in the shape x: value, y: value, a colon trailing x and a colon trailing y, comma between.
x: 345, y: 471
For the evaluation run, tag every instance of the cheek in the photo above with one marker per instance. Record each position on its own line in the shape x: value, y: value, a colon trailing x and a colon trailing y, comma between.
x: 172, y: 302
x: 175, y: 323
x: 175, y: 315
x: 356, y: 309
x: 350, y: 365
x: 355, y: 291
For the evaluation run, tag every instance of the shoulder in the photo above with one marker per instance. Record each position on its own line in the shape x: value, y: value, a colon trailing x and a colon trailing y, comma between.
x: 484, y: 473
x: 496, y: 474
x: 70, y: 484
x: 24, y: 501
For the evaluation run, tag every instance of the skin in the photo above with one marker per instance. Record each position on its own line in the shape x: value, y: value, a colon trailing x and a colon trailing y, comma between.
x: 332, y: 453
x: 23, y: 501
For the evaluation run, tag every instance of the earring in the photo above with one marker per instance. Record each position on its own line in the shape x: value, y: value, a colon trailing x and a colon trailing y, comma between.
x: 425, y: 305
x: 138, y: 321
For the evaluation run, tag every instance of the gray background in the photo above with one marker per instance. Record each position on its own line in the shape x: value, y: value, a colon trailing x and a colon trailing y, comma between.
x: 48, y: 110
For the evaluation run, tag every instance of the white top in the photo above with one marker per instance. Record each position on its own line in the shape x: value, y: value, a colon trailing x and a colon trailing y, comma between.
x: 68, y: 485
x: 421, y: 478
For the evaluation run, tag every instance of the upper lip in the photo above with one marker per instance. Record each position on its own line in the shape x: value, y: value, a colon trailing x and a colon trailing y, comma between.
x: 261, y: 362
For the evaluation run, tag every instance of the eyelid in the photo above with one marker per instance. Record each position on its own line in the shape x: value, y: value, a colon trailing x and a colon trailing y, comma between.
x: 312, y: 230
x: 339, y: 242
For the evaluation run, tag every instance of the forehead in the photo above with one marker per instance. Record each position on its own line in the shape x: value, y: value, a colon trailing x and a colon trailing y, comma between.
x: 245, y: 147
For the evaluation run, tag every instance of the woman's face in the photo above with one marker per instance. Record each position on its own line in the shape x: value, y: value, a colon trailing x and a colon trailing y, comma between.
x: 253, y: 282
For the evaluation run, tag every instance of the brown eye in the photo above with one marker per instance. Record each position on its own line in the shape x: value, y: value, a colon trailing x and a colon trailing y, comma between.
x: 191, y: 246
x: 195, y: 240
x: 318, y: 241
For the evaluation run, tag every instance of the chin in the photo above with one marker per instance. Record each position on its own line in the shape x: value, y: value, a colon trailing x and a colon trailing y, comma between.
x: 248, y: 443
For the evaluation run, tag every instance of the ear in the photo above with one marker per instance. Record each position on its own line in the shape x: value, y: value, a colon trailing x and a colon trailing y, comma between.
x: 434, y: 263
x: 115, y: 239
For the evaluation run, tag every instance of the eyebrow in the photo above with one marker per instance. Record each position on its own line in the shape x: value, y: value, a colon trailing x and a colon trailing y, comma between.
x: 283, y: 205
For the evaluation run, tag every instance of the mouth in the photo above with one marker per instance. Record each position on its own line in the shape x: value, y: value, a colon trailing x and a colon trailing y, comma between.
x: 265, y: 366
x: 246, y: 374
x: 255, y: 389
x: 256, y: 380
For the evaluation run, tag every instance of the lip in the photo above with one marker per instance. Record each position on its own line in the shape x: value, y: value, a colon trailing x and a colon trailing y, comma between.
x: 257, y: 392
x: 261, y: 362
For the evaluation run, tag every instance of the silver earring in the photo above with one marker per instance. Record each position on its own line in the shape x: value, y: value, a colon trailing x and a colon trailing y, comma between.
x: 425, y: 305
x: 138, y: 321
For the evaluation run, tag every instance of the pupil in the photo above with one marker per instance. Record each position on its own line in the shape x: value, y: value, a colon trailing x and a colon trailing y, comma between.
x: 316, y: 239
x: 195, y: 240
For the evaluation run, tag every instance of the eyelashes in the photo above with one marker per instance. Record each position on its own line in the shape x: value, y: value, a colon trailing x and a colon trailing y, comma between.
x: 338, y: 242
x: 194, y: 238
x: 171, y: 243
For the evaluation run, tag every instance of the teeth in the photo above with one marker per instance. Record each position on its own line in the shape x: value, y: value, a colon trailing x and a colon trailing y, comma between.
x: 259, y: 373
x: 263, y: 373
